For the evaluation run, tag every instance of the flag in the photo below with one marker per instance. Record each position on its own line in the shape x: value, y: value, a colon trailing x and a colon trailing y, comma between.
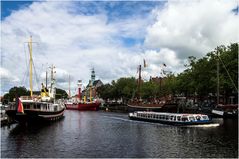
x: 164, y: 65
x: 20, y: 106
x: 145, y: 65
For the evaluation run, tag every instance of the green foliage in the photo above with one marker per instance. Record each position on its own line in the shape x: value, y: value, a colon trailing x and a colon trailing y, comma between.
x: 200, y: 77
x: 22, y: 91
x: 14, y: 93
x: 123, y: 87
x: 60, y: 93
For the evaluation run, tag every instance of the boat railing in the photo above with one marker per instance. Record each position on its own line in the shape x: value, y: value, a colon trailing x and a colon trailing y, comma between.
x: 173, y: 117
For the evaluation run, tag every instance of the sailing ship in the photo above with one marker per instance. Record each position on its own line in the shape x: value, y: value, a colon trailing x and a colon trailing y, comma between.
x: 137, y: 104
x: 224, y: 110
x: 35, y: 108
x: 85, y: 104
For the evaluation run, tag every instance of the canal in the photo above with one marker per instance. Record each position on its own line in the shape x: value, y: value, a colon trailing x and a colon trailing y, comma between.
x: 108, y: 135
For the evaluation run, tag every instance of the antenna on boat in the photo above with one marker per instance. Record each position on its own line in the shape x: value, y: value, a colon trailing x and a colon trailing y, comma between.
x: 139, y: 83
x: 218, y: 94
x: 69, y: 86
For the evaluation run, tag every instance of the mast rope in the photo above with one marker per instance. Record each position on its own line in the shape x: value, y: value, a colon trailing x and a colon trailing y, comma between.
x: 228, y: 73
x: 36, y: 76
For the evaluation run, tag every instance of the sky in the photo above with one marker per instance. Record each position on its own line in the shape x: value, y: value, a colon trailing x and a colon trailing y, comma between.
x: 113, y: 37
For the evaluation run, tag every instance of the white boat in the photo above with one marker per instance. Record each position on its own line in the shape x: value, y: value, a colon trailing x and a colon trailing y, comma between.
x: 171, y: 118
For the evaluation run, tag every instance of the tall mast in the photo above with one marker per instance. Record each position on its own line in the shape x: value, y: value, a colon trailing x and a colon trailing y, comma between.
x: 53, y: 89
x: 46, y: 79
x: 30, y: 64
x: 139, y: 82
x: 69, y: 86
x: 218, y: 94
x: 92, y: 82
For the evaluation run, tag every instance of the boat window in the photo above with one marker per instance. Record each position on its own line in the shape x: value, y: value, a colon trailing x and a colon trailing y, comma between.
x: 205, y: 117
x: 191, y: 118
x: 174, y: 118
x: 178, y: 118
x: 171, y: 117
x: 198, y: 117
x: 184, y: 119
x: 167, y: 117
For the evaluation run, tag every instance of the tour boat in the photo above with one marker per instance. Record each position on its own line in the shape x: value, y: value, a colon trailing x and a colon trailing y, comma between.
x: 179, y: 119
x: 35, y: 108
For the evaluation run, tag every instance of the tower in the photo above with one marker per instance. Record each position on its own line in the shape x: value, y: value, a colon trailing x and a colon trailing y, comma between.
x: 92, y: 76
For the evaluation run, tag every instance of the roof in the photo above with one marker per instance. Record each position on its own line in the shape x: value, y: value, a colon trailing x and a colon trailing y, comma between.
x: 95, y: 83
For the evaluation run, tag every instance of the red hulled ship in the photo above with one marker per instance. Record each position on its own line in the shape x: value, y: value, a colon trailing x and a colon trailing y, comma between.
x: 86, y: 104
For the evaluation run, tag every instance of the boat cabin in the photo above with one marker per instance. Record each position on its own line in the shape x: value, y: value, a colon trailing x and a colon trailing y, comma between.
x: 172, y: 116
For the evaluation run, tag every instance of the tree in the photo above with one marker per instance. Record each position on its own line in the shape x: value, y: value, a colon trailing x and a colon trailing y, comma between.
x: 15, y: 92
x: 60, y: 93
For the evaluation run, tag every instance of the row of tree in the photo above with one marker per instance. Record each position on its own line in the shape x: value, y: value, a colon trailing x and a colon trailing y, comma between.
x: 198, y: 79
x: 15, y: 92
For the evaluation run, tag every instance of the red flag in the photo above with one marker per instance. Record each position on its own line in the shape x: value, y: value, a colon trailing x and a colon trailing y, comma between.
x: 20, y: 106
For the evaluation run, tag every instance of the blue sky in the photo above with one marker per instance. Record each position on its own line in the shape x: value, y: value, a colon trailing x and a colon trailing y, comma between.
x: 7, y: 7
x: 113, y: 37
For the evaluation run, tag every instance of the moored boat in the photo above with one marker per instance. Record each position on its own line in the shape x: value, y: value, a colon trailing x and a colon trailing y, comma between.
x: 137, y: 104
x: 78, y: 104
x: 35, y: 108
x: 71, y: 106
x: 226, y: 111
x: 179, y: 119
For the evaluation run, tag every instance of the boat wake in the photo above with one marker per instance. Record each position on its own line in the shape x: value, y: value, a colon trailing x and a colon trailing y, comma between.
x: 204, y: 125
x: 117, y: 118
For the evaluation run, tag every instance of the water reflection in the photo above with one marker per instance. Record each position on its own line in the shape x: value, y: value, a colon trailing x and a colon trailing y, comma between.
x: 100, y: 134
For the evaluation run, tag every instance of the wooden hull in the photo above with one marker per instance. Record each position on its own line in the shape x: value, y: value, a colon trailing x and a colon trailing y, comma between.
x: 32, y: 116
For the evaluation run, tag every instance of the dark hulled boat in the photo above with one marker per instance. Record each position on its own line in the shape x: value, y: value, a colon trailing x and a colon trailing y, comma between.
x: 225, y: 111
x: 37, y: 108
x: 36, y: 111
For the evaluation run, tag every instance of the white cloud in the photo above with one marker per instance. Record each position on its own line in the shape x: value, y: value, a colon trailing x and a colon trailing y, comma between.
x: 72, y: 42
x: 193, y: 27
x: 6, y: 75
x: 75, y: 42
x: 7, y: 79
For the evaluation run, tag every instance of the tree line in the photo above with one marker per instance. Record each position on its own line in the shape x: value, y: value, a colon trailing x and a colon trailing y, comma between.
x: 198, y: 79
x: 15, y: 92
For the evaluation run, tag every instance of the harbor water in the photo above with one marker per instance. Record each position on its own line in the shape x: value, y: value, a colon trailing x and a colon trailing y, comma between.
x: 108, y: 135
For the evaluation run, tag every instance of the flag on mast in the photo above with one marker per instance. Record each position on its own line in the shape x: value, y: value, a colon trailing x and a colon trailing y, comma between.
x: 20, y: 106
